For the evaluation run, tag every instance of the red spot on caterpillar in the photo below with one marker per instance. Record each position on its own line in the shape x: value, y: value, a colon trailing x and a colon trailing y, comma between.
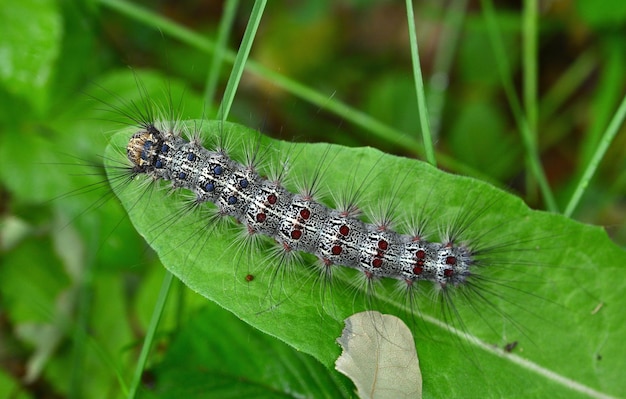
x: 260, y: 217
x: 344, y: 230
x: 420, y: 254
x: 296, y: 234
x: 305, y: 214
x: 336, y: 250
x: 448, y: 272
x: 272, y: 199
x: 418, y: 270
x: 377, y: 262
x: 450, y: 260
x: 382, y: 244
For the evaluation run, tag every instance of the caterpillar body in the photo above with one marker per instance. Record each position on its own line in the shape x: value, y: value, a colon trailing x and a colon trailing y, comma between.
x: 297, y: 222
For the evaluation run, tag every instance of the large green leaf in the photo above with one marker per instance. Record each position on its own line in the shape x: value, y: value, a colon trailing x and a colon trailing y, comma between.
x: 554, y: 287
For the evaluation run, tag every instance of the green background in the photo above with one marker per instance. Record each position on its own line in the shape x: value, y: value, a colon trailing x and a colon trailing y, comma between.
x: 78, y: 284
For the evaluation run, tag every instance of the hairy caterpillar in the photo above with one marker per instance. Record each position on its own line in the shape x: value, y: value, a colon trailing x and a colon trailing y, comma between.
x: 299, y: 222
x: 528, y: 254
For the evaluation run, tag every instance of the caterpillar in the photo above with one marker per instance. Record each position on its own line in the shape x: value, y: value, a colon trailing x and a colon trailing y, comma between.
x: 297, y: 222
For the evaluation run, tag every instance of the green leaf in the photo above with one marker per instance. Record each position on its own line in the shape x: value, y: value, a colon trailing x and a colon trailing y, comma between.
x: 30, y: 36
x: 549, y: 274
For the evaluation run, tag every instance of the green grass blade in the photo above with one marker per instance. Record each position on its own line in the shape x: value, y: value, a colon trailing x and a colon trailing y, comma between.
x: 242, y: 57
x: 603, y: 145
x: 419, y: 87
x: 150, y: 333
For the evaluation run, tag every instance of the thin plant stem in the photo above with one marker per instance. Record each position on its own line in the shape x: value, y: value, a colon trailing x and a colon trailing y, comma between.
x: 603, y: 145
x: 419, y: 87
x: 242, y: 57
x: 150, y: 333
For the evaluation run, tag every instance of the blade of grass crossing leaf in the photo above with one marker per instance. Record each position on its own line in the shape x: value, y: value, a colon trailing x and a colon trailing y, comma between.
x: 152, y: 327
x: 419, y: 86
x: 242, y: 57
x: 607, y: 138
x: 530, y: 144
x: 226, y: 24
